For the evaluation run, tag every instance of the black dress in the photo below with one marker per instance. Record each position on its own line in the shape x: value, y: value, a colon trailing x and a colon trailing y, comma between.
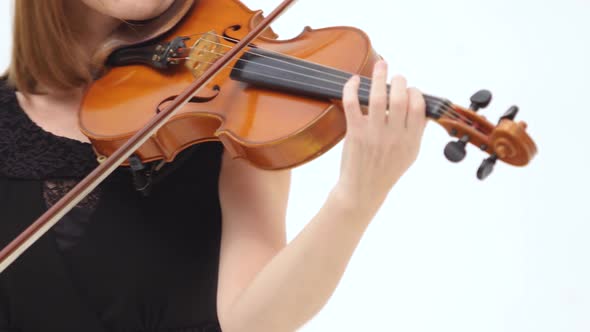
x: 120, y: 260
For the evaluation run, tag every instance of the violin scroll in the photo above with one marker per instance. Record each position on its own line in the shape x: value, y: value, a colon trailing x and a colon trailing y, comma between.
x: 507, y: 141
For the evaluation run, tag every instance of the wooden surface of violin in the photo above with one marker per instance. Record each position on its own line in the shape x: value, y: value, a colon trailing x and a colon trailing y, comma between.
x: 272, y: 129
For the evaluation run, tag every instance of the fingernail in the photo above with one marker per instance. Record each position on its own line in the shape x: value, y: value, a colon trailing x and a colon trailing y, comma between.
x: 380, y: 65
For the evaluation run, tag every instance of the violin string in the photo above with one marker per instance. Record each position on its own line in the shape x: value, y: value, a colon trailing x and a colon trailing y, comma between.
x: 435, y: 104
x: 448, y: 108
x: 363, y: 82
x: 281, y: 60
x: 445, y: 106
x: 445, y: 109
x: 275, y: 59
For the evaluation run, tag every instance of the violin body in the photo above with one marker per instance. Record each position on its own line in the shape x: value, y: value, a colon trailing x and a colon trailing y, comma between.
x: 269, y: 128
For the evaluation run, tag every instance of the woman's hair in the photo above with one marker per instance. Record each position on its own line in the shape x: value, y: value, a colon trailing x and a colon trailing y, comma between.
x: 46, y: 50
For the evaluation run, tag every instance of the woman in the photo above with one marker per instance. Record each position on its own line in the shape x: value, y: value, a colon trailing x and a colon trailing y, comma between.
x: 121, y: 261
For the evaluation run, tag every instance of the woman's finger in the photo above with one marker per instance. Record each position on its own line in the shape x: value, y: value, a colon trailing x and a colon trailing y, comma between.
x: 416, y: 111
x: 350, y: 102
x: 398, y: 103
x: 378, y: 95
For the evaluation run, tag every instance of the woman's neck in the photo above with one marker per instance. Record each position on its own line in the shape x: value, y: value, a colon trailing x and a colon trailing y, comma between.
x: 92, y: 27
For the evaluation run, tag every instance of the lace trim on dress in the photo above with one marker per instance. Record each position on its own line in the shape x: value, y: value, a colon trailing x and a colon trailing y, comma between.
x: 72, y: 226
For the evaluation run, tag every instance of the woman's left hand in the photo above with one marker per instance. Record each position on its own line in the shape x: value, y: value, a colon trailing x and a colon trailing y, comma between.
x: 381, y: 146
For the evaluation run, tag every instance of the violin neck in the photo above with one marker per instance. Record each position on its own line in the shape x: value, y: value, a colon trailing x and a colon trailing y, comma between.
x: 276, y: 71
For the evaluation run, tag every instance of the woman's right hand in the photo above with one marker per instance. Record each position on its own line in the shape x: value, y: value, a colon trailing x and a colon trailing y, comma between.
x: 379, y: 146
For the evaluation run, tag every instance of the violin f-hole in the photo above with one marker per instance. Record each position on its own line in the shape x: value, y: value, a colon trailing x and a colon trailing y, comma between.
x: 196, y: 99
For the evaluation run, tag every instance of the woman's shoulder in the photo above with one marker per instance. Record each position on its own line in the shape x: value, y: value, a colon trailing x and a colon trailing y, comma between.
x: 10, y: 121
x: 8, y: 99
x: 29, y: 152
x: 15, y: 139
x: 10, y: 118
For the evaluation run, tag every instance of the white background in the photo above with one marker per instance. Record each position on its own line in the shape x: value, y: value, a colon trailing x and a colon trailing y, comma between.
x: 448, y: 252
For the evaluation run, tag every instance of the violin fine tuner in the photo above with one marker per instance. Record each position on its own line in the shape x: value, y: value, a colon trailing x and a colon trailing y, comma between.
x: 158, y: 55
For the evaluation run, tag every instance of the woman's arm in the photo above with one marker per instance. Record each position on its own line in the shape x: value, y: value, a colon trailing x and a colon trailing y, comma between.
x: 266, y: 285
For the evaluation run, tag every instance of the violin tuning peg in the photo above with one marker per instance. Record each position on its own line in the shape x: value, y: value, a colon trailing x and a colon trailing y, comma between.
x: 481, y: 99
x: 455, y: 151
x: 486, y: 167
x: 510, y: 113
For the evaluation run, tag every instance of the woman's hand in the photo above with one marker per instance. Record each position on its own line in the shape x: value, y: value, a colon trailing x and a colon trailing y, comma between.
x: 379, y: 147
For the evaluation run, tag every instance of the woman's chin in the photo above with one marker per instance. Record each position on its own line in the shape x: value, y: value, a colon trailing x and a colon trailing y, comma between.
x: 142, y: 14
x: 131, y: 10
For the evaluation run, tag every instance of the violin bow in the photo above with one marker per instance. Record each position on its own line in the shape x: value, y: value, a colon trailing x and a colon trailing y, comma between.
x: 52, y: 216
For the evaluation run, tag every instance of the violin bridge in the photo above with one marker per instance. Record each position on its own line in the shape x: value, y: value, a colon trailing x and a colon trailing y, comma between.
x: 206, y: 50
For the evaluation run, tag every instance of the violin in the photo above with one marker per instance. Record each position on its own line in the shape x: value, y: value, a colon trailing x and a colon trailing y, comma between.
x: 213, y: 70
